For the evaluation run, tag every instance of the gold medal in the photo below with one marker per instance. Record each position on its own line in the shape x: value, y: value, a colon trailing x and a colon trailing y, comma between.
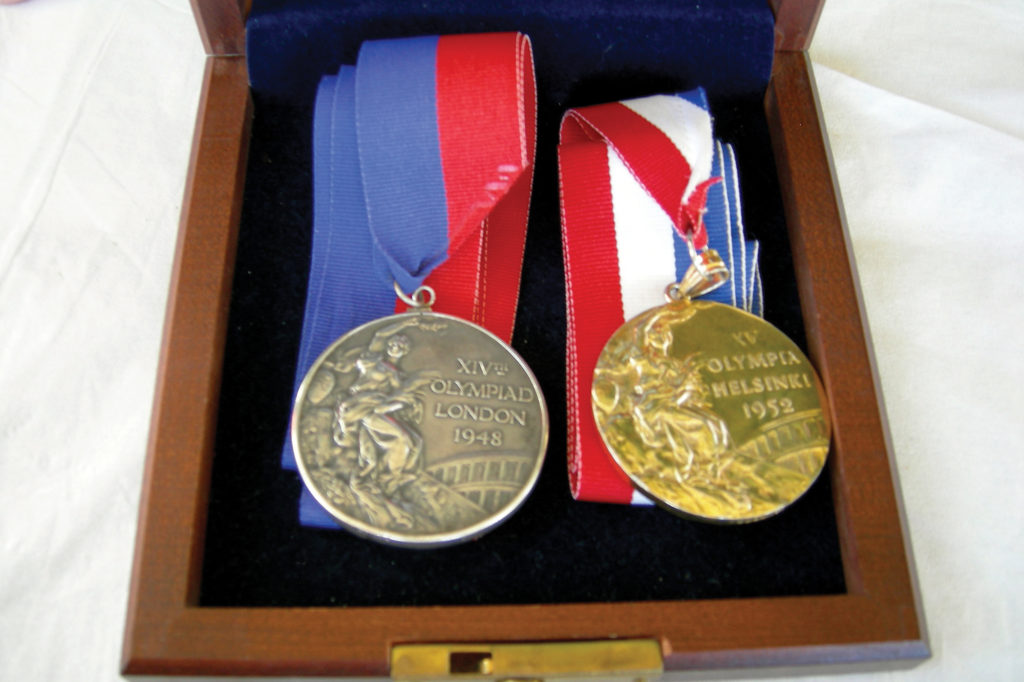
x: 711, y: 411
x: 419, y: 429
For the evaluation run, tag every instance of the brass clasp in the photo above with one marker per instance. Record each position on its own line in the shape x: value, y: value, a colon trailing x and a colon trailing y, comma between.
x: 630, y: 659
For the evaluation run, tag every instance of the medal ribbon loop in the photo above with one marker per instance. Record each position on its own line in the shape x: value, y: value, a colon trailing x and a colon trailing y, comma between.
x: 445, y: 128
x: 642, y: 183
x: 664, y: 143
x: 422, y: 169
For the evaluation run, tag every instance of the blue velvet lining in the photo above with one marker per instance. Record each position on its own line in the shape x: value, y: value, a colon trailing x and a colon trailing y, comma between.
x: 553, y: 549
x: 724, y: 45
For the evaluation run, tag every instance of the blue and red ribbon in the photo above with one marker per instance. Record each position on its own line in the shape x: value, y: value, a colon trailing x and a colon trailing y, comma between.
x: 422, y: 170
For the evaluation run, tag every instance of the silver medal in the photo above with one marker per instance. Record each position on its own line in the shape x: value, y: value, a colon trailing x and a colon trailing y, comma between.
x: 420, y: 429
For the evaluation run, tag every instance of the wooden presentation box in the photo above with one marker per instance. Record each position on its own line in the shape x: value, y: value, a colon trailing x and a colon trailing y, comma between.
x: 173, y: 629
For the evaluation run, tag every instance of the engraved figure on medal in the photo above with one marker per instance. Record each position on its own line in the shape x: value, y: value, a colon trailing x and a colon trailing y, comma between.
x: 711, y: 411
x: 419, y: 429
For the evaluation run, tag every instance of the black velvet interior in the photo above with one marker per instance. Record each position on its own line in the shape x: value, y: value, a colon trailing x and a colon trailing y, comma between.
x: 553, y: 549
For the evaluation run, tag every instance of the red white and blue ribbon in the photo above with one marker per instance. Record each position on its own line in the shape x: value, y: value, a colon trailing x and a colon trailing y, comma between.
x: 422, y: 170
x: 638, y: 179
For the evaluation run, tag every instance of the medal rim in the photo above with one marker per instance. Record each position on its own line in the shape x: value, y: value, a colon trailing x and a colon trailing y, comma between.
x: 432, y: 540
x: 638, y: 482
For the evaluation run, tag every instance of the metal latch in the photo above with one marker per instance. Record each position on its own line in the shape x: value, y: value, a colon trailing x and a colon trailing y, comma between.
x: 629, y: 659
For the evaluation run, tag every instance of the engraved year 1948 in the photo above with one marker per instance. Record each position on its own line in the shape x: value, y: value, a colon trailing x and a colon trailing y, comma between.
x: 487, y: 437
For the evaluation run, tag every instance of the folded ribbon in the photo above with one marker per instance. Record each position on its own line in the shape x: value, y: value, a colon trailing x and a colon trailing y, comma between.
x: 638, y: 179
x: 422, y: 170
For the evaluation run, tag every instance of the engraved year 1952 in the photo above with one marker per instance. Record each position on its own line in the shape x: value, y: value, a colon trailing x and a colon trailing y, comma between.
x: 767, y: 409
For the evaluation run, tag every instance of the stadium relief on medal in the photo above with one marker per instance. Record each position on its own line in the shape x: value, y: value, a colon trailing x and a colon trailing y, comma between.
x: 434, y: 427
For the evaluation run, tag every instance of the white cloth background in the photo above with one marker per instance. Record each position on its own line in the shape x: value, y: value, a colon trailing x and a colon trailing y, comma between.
x: 924, y: 102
